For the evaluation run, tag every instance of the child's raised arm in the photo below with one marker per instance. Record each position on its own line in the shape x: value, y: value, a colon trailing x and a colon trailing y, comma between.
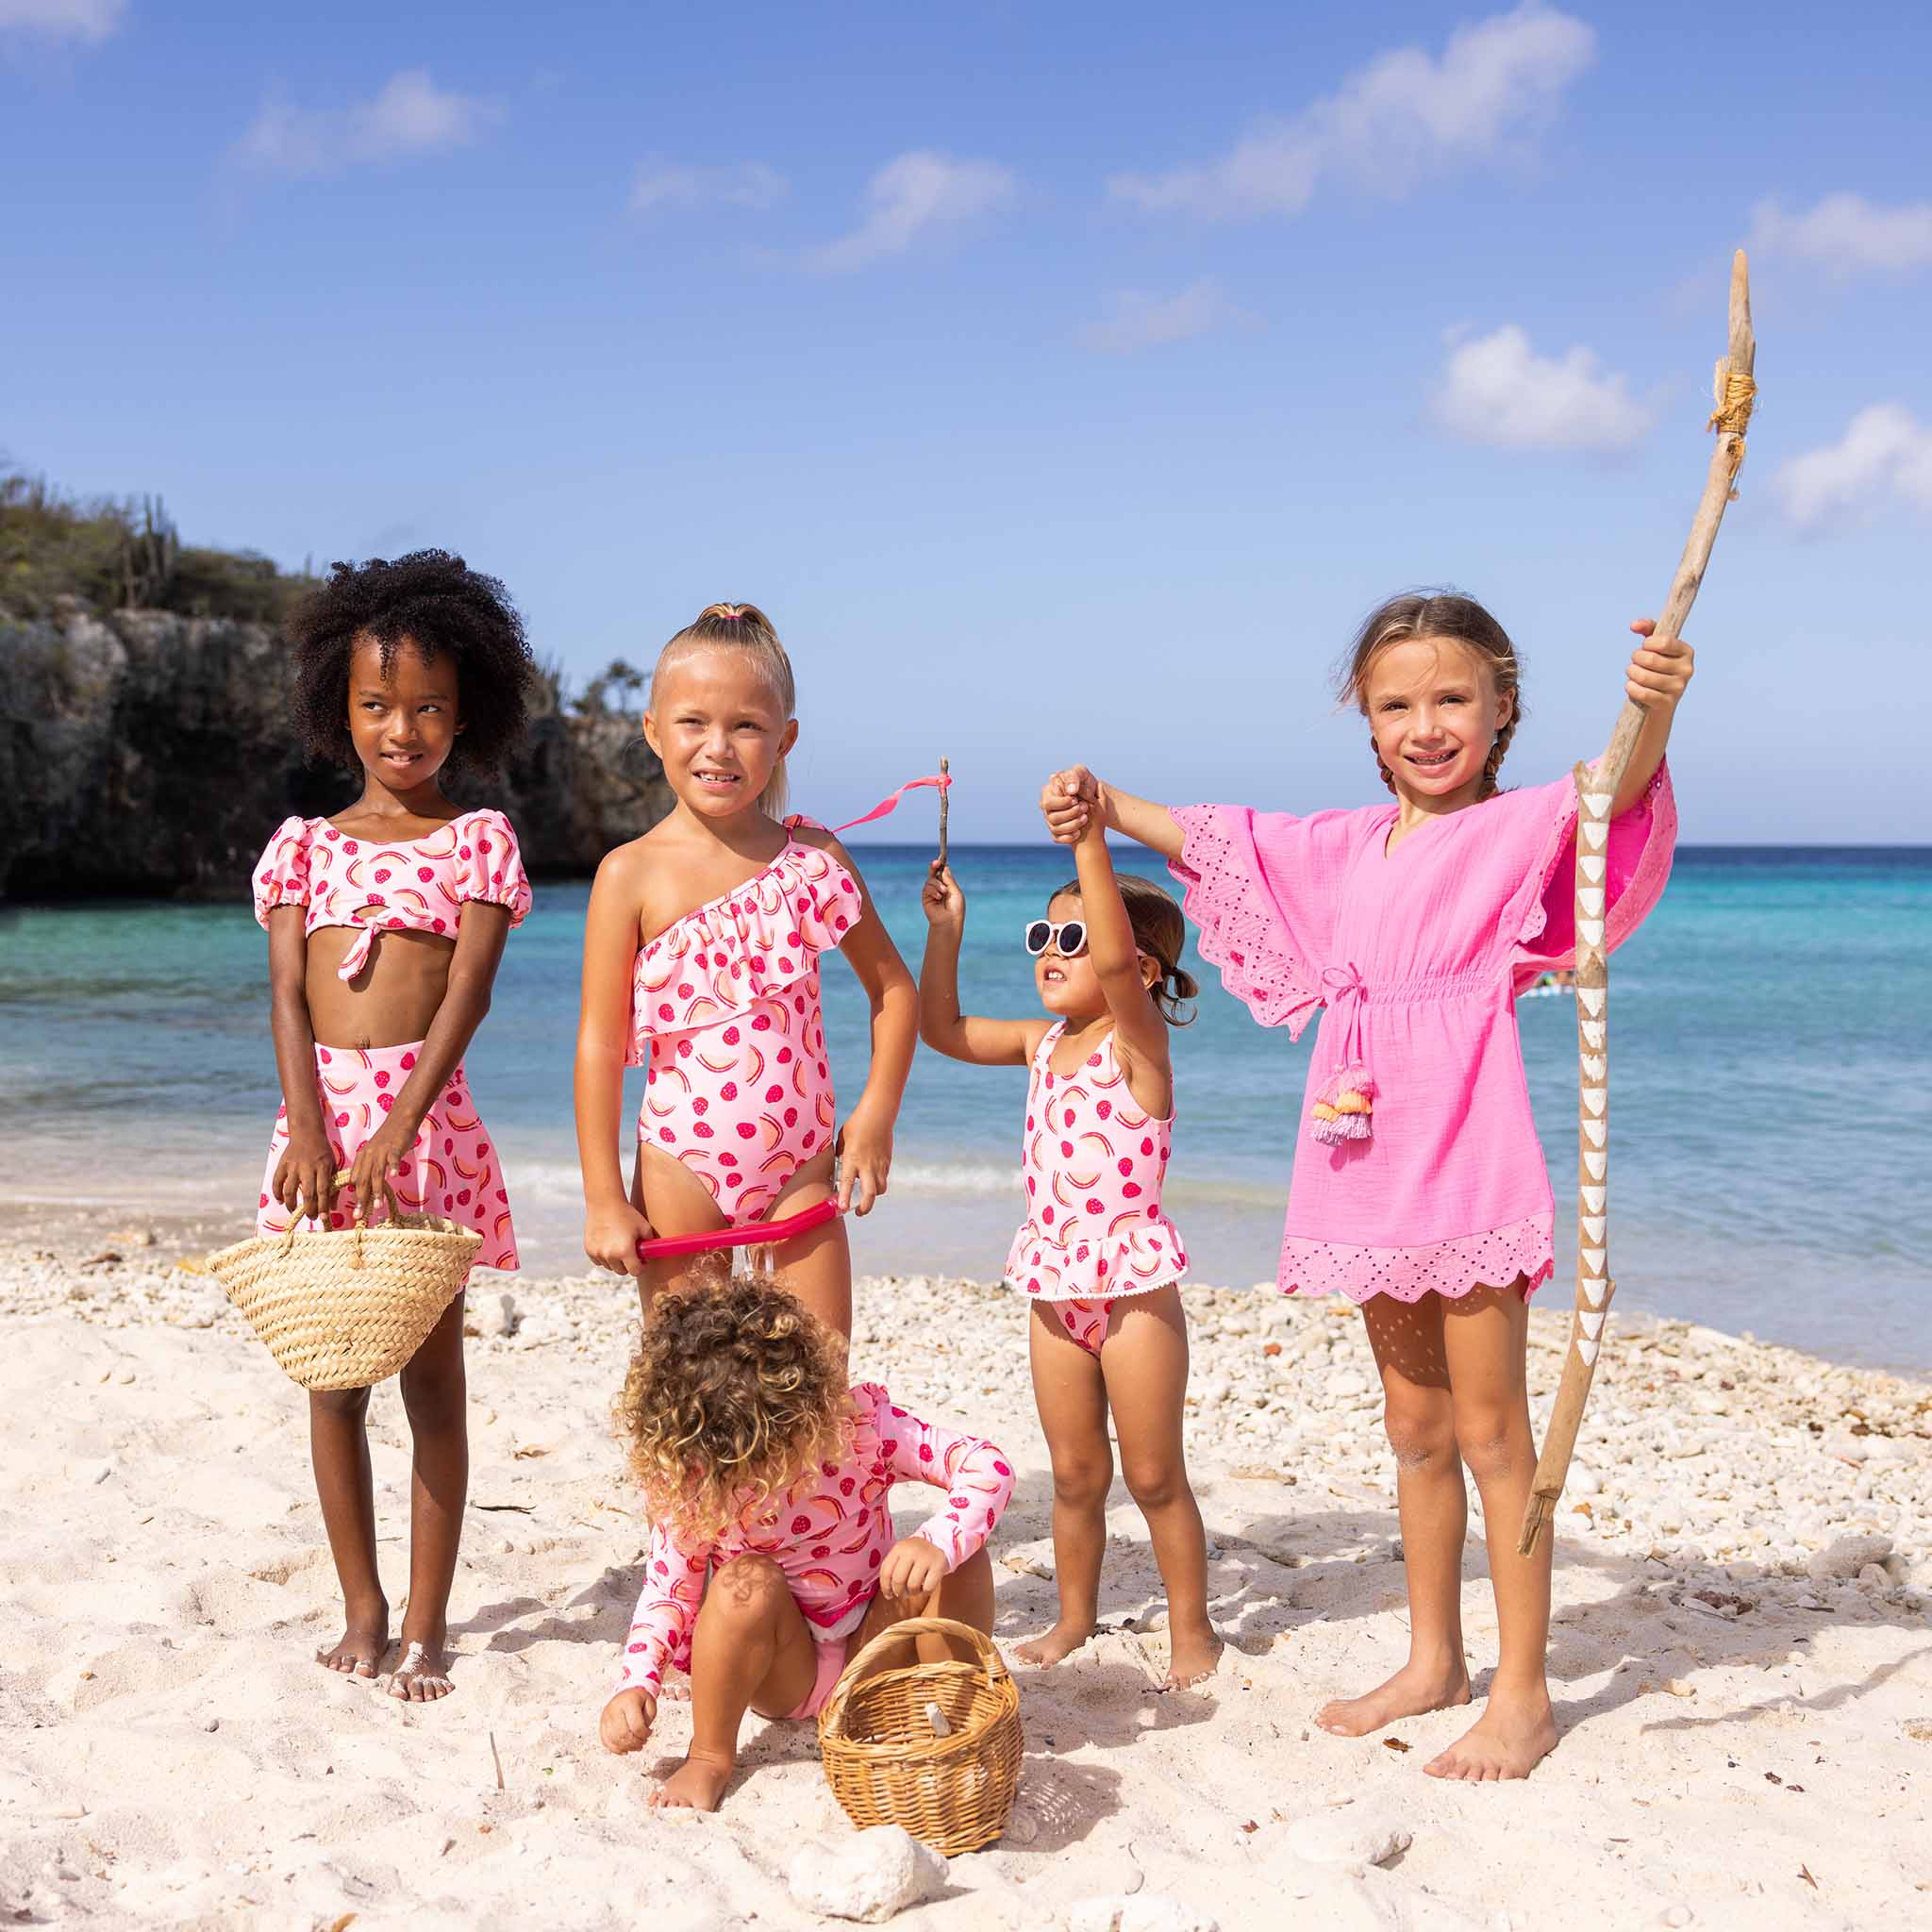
x: 612, y: 1226
x: 1656, y: 679
x: 969, y: 1036
x: 1140, y: 1032
x: 1073, y: 798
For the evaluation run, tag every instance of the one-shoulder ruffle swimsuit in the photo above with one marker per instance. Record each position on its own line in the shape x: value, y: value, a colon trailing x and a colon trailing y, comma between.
x: 1417, y: 954
x: 453, y: 1168
x: 726, y: 1020
x: 1094, y: 1163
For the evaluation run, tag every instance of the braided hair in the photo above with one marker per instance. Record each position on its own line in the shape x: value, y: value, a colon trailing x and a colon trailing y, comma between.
x: 1437, y: 613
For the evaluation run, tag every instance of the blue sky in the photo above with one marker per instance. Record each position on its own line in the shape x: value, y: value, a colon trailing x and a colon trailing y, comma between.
x: 1064, y: 380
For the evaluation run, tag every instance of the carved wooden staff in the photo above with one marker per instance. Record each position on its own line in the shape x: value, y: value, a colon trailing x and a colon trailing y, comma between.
x: 1596, y: 788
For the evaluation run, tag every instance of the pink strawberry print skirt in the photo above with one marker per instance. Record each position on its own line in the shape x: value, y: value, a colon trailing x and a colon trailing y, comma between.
x: 452, y: 1170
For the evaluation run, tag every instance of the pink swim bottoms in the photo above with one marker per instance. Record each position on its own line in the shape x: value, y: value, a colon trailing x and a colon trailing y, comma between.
x: 452, y: 1170
x: 1084, y: 1322
x: 831, y: 1655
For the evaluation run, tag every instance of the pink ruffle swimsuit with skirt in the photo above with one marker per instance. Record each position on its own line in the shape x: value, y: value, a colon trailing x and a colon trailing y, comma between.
x: 1094, y: 1163
x: 726, y: 1021
x: 1417, y: 954
x: 421, y: 886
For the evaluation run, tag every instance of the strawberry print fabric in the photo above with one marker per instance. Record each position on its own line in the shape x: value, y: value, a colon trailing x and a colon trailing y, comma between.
x: 1092, y: 1163
x: 420, y: 885
x: 451, y: 1169
x: 829, y: 1537
x: 726, y: 1017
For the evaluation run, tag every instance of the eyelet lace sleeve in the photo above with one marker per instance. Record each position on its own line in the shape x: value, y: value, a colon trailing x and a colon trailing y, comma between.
x: 1638, y: 864
x: 1262, y: 886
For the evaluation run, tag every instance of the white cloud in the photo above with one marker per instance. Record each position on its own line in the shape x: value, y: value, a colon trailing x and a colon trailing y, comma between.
x: 91, y: 21
x: 1884, y: 452
x: 672, y: 184
x: 1846, y: 235
x: 1148, y: 322
x: 1394, y: 122
x: 411, y: 116
x: 910, y: 194
x: 1498, y: 391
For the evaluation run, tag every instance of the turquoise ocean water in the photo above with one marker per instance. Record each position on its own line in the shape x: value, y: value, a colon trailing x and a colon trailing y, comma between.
x: 1770, y: 1120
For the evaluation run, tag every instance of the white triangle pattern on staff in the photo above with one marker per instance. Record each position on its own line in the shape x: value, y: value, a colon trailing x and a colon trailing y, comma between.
x: 1596, y: 789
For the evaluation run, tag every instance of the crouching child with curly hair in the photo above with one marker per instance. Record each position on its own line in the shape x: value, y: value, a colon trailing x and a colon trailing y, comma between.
x: 768, y: 1479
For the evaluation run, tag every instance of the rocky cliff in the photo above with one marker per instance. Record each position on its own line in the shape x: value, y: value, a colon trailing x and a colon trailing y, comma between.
x: 147, y: 753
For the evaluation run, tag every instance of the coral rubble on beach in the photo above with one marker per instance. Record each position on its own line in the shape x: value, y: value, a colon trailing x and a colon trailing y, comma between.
x: 1739, y: 1654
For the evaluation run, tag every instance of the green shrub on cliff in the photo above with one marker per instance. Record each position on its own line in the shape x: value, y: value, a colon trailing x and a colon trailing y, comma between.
x: 123, y: 556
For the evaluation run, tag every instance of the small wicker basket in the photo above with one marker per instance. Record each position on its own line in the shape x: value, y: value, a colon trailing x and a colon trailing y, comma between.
x: 346, y: 1308
x: 887, y: 1763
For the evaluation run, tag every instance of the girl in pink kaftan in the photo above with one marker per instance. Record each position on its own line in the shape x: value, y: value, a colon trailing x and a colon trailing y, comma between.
x: 1417, y: 956
x: 1419, y: 1189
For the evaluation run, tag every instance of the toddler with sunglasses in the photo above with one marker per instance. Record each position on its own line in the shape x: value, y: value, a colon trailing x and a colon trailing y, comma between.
x: 1096, y: 1256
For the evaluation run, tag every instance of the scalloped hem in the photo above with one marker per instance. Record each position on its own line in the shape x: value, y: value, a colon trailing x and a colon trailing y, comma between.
x: 1521, y: 1251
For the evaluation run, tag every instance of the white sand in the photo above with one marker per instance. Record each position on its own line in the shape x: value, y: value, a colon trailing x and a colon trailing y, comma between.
x: 1745, y: 1745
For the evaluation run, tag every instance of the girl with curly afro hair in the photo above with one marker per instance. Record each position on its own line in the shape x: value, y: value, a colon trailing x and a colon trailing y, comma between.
x: 385, y: 926
x: 766, y: 1474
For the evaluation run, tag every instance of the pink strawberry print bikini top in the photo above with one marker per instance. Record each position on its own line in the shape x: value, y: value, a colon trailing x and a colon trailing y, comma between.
x: 418, y: 885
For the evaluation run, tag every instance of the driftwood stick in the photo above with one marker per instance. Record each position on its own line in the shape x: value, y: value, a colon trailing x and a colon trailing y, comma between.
x: 1596, y: 789
x: 946, y: 799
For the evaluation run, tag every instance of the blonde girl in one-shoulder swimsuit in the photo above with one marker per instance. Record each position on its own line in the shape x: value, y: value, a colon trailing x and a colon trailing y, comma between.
x: 701, y: 959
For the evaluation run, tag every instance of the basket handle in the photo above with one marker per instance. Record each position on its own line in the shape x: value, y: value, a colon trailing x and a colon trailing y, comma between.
x: 928, y: 1627
x: 398, y: 1215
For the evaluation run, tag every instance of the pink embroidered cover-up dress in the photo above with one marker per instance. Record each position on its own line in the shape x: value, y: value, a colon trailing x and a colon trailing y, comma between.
x: 1417, y: 956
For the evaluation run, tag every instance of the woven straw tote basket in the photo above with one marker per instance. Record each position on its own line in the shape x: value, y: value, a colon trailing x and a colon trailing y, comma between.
x: 344, y: 1308
x: 951, y: 1785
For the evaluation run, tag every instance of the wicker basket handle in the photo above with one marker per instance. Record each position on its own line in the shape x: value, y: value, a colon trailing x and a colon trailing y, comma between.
x: 894, y: 1634
x: 398, y: 1215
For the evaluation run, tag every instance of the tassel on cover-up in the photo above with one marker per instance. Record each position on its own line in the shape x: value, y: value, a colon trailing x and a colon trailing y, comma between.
x: 1344, y: 1110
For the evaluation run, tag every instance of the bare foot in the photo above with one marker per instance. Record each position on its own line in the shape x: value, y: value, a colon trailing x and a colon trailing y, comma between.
x: 1509, y: 1740
x: 1411, y: 1690
x: 1063, y: 1640
x: 1191, y: 1656
x: 360, y: 1651
x: 423, y: 1676
x: 697, y: 1785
